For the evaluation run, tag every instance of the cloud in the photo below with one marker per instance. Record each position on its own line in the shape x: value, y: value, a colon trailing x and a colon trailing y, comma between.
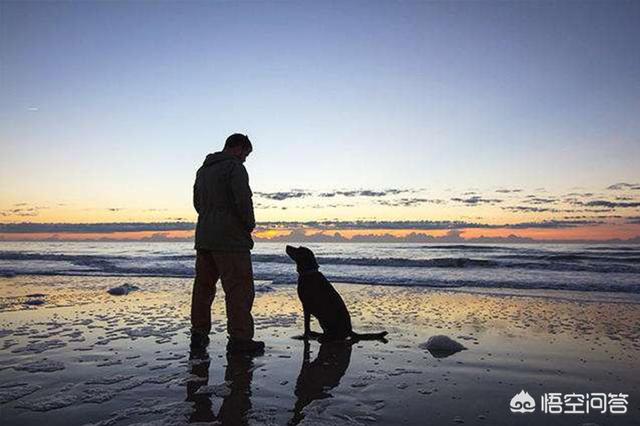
x: 531, y: 209
x: 635, y: 220
x: 475, y: 200
x: 408, y: 202
x: 300, y: 193
x: 607, y: 204
x: 365, y: 193
x: 534, y: 199
x: 284, y: 195
x: 324, y: 225
x: 28, y: 227
x: 507, y: 191
x: 579, y: 194
x: 623, y: 185
x: 453, y: 236
x: 21, y: 210
x: 553, y: 224
x: 424, y: 225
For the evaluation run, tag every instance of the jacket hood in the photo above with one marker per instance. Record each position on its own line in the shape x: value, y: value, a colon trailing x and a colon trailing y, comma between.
x: 217, y: 157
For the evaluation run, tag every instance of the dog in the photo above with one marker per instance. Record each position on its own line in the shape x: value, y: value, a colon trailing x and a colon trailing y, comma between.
x: 321, y: 300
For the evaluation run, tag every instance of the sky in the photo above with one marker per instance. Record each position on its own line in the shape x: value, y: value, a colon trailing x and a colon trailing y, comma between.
x: 494, y: 118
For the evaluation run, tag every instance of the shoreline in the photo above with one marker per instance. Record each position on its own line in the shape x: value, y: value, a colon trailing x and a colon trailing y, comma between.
x: 125, y: 359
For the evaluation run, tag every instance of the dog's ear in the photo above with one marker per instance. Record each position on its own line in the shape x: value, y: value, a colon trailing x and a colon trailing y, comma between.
x: 309, y: 258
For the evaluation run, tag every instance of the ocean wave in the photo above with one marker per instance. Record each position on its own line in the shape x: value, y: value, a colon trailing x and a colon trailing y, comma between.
x: 157, y: 264
x: 471, y: 247
x: 290, y: 278
x: 572, y: 257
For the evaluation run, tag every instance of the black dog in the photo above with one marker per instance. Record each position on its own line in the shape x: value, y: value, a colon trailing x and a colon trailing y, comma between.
x: 321, y: 300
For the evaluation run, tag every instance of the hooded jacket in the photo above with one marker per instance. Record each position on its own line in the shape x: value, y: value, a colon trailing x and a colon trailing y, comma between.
x: 222, y: 198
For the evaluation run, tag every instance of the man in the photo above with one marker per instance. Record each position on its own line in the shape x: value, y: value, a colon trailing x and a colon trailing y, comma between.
x: 222, y: 198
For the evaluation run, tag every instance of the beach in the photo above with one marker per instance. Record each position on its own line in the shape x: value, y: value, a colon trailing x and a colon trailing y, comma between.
x: 71, y: 353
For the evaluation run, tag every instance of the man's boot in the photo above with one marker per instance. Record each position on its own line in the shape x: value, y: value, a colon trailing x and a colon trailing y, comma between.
x: 199, y: 340
x: 246, y: 346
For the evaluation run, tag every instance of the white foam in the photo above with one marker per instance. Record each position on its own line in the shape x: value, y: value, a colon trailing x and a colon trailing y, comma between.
x: 317, y: 413
x: 49, y: 403
x: 222, y: 389
x: 13, y: 391
x: 42, y: 366
x: 108, y: 380
x: 39, y: 347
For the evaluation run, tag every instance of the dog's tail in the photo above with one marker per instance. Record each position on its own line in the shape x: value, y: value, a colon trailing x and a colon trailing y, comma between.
x: 369, y: 336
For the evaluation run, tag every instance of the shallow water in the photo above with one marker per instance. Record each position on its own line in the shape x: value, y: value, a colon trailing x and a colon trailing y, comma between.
x: 595, y: 268
x: 87, y: 357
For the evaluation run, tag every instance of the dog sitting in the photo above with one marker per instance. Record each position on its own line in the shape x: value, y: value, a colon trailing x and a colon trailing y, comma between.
x: 321, y: 300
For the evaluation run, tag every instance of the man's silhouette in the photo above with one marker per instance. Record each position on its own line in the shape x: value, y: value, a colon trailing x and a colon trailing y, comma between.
x: 222, y: 198
x: 236, y: 405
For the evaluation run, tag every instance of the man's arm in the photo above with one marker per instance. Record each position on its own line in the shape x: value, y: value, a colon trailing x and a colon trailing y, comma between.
x: 196, y: 196
x: 242, y: 196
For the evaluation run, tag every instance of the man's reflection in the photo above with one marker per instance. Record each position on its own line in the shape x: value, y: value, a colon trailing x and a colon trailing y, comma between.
x: 235, y: 406
x: 317, y: 378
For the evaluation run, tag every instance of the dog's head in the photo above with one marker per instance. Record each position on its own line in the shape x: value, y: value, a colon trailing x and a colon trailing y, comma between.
x: 304, y: 258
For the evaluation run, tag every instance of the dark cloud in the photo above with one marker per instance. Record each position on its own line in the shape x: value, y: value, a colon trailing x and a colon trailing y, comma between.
x: 300, y: 193
x: 507, y: 191
x: 579, y: 194
x: 21, y: 210
x: 284, y: 195
x: 475, y: 200
x: 373, y: 224
x: 365, y: 193
x: 623, y: 185
x: 635, y: 220
x: 553, y: 224
x: 598, y: 210
x: 600, y: 216
x: 607, y: 204
x: 329, y: 206
x: 424, y: 225
x: 115, y: 209
x: 532, y: 199
x: 28, y: 227
x: 326, y: 225
x: 452, y: 236
x: 409, y: 202
x: 531, y: 209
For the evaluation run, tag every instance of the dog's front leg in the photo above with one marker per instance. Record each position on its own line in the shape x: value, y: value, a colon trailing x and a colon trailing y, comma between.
x: 307, y: 327
x: 307, y: 324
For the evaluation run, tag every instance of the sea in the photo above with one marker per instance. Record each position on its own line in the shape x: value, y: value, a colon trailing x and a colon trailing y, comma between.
x: 570, y: 267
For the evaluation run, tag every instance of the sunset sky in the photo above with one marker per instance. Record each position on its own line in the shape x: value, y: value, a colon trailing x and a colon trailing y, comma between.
x: 366, y: 117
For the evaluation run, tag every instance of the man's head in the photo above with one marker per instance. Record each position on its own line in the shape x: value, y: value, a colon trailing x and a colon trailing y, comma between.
x: 239, y: 146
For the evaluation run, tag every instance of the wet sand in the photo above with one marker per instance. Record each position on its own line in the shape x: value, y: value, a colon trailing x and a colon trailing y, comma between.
x: 72, y: 354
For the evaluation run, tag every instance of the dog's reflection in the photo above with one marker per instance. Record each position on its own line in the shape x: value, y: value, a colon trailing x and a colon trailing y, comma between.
x: 319, y: 376
x: 236, y: 405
